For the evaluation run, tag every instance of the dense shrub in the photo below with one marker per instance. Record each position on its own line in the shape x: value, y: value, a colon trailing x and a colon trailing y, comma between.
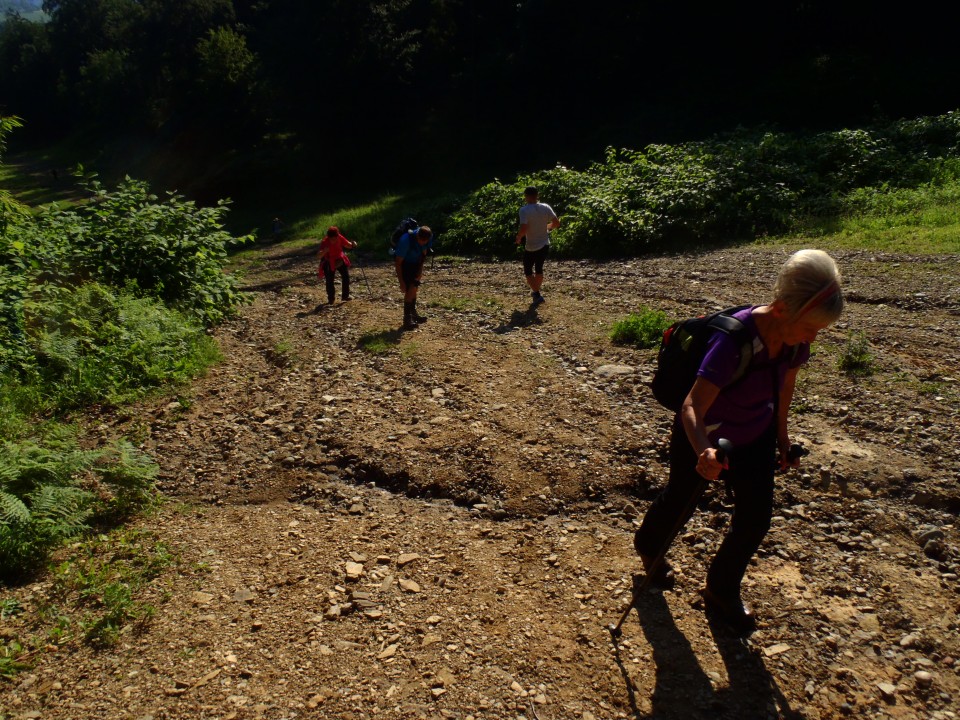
x: 642, y: 329
x: 742, y: 185
x: 97, y: 304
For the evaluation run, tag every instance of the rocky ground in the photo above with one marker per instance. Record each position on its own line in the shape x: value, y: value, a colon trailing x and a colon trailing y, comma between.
x: 437, y: 524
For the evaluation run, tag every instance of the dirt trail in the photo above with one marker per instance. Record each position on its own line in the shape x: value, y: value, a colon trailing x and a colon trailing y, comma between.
x: 437, y: 523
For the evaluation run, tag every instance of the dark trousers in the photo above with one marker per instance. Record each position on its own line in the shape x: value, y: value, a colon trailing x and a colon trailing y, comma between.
x: 750, y: 479
x: 329, y: 275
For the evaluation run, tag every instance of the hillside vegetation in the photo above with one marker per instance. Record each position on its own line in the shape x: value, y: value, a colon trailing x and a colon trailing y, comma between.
x: 232, y: 97
x: 113, y: 300
x: 729, y: 188
x: 99, y: 305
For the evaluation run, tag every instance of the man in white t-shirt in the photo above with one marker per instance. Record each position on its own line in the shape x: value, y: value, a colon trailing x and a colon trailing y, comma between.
x: 537, y: 219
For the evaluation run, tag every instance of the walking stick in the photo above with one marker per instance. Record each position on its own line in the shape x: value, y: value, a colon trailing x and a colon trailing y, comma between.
x: 723, y: 450
x: 363, y: 274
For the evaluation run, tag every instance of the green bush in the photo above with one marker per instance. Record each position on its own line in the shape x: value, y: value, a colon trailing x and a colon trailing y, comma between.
x: 856, y: 358
x: 643, y: 329
x: 738, y: 186
x: 97, y: 304
x: 91, y: 344
x: 170, y: 249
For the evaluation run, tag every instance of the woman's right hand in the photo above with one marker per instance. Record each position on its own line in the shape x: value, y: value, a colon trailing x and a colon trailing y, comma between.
x: 709, y: 465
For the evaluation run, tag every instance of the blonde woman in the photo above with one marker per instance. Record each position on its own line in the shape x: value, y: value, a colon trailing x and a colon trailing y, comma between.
x: 752, y: 414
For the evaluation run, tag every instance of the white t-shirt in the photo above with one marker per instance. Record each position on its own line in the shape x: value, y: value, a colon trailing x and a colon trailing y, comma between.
x: 536, y: 216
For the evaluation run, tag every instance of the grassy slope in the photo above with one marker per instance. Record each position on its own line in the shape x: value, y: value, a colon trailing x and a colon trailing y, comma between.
x: 921, y: 221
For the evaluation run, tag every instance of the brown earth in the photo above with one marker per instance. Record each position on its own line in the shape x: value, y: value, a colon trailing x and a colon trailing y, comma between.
x: 437, y: 524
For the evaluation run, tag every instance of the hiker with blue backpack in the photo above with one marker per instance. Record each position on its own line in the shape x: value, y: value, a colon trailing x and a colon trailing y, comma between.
x: 411, y: 250
x: 746, y: 363
x: 537, y: 219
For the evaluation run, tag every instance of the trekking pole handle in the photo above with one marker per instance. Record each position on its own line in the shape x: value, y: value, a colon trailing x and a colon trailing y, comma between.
x: 796, y: 452
x: 724, y: 448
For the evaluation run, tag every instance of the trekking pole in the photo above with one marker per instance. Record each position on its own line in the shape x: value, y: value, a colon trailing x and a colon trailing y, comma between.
x: 363, y: 274
x: 723, y: 450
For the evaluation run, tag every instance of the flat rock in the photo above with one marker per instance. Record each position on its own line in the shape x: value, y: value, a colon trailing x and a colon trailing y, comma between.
x: 410, y: 586
x: 609, y: 371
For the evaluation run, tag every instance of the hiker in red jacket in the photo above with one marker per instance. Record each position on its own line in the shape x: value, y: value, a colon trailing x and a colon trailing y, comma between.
x: 333, y: 259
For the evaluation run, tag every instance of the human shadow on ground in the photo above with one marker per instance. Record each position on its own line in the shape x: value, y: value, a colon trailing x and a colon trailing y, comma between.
x: 316, y: 311
x: 520, y: 319
x: 683, y: 691
x: 751, y: 684
x: 376, y: 342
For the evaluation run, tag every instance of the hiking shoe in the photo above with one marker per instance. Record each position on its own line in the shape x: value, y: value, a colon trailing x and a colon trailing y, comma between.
x: 538, y: 298
x: 731, y: 611
x: 346, y: 298
x: 664, y: 578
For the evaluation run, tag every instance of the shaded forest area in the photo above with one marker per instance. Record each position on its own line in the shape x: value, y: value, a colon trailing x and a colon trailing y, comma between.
x: 208, y: 95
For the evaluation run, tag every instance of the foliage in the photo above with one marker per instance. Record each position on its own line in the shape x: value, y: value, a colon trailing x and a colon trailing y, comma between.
x: 90, y: 344
x: 97, y: 304
x: 740, y: 186
x: 100, y: 588
x: 104, y: 577
x: 126, y: 68
x: 9, y: 207
x: 52, y: 490
x: 856, y: 358
x: 643, y: 329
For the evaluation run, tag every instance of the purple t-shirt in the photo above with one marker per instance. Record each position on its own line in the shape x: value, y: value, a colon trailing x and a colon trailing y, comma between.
x: 743, y: 412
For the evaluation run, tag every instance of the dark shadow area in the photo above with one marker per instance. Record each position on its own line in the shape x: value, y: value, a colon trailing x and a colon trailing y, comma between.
x: 316, y: 311
x: 683, y: 691
x: 520, y: 319
x: 376, y: 342
x: 278, y: 285
x: 750, y: 681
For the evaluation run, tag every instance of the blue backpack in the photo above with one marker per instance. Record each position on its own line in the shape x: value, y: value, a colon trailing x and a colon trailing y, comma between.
x: 406, y: 225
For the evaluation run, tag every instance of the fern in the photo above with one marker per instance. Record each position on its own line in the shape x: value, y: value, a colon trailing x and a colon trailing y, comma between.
x: 12, y: 509
x: 62, y: 511
x: 52, y: 490
x: 130, y: 475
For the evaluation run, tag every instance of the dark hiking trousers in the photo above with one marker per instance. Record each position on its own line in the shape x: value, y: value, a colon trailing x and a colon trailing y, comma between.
x: 329, y: 276
x: 750, y: 479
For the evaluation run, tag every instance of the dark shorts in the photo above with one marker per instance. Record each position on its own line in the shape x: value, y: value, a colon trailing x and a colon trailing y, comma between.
x: 533, y: 261
x: 411, y: 271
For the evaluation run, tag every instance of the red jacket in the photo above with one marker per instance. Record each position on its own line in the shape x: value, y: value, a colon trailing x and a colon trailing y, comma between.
x: 333, y: 250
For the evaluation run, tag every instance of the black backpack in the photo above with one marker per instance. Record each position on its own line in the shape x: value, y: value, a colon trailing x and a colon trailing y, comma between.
x: 406, y: 225
x: 683, y: 347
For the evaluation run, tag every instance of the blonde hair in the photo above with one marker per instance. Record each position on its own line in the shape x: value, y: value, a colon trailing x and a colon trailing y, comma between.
x: 809, y: 286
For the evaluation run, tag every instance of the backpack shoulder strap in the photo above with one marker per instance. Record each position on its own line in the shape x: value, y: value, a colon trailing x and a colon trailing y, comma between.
x: 729, y: 325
